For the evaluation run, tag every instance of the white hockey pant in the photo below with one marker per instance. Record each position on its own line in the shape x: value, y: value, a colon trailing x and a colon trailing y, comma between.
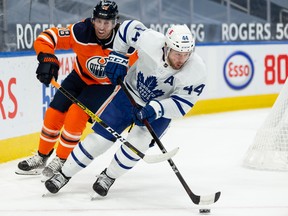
x: 84, y: 153
x: 125, y: 159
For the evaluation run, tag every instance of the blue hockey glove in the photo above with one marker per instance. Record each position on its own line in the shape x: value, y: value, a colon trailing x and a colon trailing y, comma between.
x: 116, y: 67
x: 48, y: 68
x: 150, y: 112
x: 146, y: 112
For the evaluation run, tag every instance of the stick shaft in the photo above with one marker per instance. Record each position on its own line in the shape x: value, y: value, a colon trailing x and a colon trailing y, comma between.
x: 196, y: 199
x: 97, y: 119
x: 146, y: 158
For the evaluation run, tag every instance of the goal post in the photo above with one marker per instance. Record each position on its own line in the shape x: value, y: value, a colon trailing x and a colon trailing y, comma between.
x: 269, y: 150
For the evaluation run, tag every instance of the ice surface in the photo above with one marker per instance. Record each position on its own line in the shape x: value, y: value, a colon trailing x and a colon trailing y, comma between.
x: 211, y: 151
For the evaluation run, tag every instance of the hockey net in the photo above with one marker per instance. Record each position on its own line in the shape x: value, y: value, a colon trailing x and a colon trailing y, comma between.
x: 269, y: 150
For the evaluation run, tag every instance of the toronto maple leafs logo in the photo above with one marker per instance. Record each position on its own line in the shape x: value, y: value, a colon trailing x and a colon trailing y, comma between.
x: 146, y: 88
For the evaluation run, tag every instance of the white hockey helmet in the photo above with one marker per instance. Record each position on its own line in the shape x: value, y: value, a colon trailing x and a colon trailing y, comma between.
x: 179, y: 38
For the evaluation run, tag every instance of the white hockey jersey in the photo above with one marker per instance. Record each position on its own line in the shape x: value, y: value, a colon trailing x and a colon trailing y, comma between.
x: 151, y: 77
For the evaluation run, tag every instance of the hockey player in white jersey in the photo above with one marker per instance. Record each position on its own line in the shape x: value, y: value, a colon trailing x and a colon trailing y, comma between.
x: 166, y: 81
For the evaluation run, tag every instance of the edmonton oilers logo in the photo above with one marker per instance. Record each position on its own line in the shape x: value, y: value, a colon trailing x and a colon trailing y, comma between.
x: 238, y: 70
x: 96, y: 65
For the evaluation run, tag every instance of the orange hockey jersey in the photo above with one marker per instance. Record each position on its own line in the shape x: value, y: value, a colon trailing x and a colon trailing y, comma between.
x: 91, y: 53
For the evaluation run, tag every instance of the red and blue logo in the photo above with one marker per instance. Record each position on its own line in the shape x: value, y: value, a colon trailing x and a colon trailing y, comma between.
x: 238, y: 70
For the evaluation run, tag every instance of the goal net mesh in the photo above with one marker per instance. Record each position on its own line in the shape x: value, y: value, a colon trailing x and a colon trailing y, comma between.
x: 269, y: 150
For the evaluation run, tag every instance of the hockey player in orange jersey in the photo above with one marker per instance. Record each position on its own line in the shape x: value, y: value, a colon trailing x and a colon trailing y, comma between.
x: 91, y: 40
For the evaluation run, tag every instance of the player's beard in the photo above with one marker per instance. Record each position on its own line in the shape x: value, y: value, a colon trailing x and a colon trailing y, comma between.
x: 177, y: 65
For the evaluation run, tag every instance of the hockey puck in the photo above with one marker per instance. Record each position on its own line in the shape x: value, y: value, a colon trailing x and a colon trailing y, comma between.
x: 204, y: 211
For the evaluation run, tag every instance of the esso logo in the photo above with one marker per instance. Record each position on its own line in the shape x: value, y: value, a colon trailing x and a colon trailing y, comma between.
x: 238, y: 70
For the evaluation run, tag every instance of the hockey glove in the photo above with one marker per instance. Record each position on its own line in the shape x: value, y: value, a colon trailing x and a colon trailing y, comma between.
x: 116, y: 67
x: 48, y: 68
x: 150, y: 112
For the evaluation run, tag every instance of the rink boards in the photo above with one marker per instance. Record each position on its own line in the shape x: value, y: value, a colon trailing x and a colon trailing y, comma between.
x: 240, y: 76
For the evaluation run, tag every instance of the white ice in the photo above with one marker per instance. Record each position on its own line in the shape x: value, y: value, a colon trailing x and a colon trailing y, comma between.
x: 210, y: 159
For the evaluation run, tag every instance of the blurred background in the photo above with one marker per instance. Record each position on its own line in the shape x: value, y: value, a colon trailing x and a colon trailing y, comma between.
x: 22, y: 20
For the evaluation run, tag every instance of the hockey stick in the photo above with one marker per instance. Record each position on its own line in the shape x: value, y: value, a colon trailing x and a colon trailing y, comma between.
x: 196, y: 199
x: 146, y: 158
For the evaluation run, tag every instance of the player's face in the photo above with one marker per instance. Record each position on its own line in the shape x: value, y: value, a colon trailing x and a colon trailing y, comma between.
x: 177, y: 59
x: 103, y: 28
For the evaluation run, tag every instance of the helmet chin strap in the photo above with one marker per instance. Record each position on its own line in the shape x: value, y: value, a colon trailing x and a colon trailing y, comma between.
x: 166, y: 52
